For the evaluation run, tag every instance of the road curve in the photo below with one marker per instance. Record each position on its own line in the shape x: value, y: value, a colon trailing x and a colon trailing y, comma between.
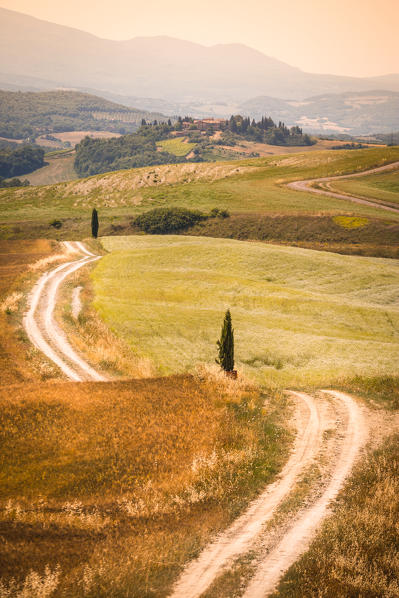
x: 237, y: 540
x: 40, y: 324
x: 297, y: 539
x: 307, y: 186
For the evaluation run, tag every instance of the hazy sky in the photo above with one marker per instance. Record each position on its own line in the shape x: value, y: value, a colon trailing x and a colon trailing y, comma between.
x: 346, y: 37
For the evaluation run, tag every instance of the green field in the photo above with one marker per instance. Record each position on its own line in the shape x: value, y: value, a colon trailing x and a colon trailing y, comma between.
x: 383, y: 187
x: 301, y: 316
x: 176, y: 146
x: 253, y: 186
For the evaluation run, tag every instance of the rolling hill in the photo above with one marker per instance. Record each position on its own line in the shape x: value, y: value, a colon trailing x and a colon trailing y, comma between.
x: 354, y: 113
x: 44, y: 55
x: 31, y: 114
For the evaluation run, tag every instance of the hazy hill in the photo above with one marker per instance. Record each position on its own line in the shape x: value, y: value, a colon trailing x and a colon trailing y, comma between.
x: 354, y: 113
x: 30, y: 114
x: 45, y: 55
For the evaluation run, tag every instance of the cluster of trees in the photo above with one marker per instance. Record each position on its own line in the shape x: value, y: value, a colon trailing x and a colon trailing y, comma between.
x: 12, y: 183
x: 351, y: 146
x: 94, y: 156
x: 267, y: 131
x: 20, y: 161
x: 163, y: 221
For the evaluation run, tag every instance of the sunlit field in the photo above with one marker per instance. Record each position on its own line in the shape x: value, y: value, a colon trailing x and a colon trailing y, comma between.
x: 300, y: 316
x: 176, y: 146
x: 107, y: 489
x: 247, y: 186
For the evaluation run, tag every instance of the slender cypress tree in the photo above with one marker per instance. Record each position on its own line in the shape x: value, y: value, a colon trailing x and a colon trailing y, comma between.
x: 94, y: 223
x: 226, y: 345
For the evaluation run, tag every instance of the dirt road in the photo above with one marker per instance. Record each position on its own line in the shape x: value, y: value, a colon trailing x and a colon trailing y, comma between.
x: 40, y: 324
x: 312, y: 421
x: 296, y: 541
x: 307, y: 186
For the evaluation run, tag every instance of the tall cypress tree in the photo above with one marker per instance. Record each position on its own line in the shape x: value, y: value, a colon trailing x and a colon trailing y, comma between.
x: 226, y: 345
x: 94, y: 223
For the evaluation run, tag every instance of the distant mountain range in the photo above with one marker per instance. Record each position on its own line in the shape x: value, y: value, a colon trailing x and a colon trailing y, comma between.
x: 354, y: 113
x: 172, y: 76
x: 158, y: 67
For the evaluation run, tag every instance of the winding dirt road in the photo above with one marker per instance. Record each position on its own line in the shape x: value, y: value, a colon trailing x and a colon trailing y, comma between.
x: 41, y: 326
x: 308, y: 186
x: 312, y: 421
x: 314, y: 416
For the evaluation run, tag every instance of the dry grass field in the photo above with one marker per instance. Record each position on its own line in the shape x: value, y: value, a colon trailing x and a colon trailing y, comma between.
x: 108, y: 488
x: 59, y: 168
x: 16, y: 261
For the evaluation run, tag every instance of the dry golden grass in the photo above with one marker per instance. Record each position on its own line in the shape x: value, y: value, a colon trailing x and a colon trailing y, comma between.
x: 17, y: 259
x: 120, y: 483
x: 356, y: 555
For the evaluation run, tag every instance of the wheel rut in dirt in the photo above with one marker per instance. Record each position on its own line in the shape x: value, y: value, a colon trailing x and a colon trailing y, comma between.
x: 199, y: 574
x: 329, y: 409
x: 40, y: 324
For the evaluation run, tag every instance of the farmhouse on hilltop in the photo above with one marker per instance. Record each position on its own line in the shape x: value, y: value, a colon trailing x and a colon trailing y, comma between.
x: 206, y: 124
x: 211, y: 124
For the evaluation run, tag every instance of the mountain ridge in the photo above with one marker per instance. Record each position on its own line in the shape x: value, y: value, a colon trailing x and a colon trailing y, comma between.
x: 156, y: 67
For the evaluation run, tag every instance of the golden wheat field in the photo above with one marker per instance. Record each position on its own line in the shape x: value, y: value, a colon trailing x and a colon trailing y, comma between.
x: 108, y: 488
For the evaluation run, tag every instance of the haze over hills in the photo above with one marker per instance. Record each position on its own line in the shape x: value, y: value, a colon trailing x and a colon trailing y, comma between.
x: 48, y: 55
x: 355, y: 113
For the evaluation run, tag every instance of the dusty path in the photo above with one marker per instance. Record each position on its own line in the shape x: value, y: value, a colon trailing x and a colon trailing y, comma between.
x: 297, y: 539
x: 40, y: 324
x: 238, y: 539
x: 307, y: 186
x: 246, y: 531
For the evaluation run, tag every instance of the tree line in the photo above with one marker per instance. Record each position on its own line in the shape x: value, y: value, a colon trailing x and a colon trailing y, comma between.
x: 20, y: 161
x: 267, y: 131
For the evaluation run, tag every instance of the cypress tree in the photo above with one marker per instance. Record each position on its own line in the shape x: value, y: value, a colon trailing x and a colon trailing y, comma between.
x: 226, y: 345
x: 94, y: 223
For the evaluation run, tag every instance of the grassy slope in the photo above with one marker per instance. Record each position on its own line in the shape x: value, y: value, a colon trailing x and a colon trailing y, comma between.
x: 300, y: 316
x: 250, y: 186
x: 176, y: 146
x: 383, y: 187
x: 59, y: 168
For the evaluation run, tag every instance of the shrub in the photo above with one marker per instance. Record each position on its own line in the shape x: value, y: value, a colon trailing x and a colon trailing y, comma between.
x: 217, y: 213
x: 168, y: 220
x: 56, y: 223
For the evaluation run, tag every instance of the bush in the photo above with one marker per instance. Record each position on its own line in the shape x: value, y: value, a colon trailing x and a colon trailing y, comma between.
x: 216, y: 213
x: 161, y: 221
x: 56, y: 223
